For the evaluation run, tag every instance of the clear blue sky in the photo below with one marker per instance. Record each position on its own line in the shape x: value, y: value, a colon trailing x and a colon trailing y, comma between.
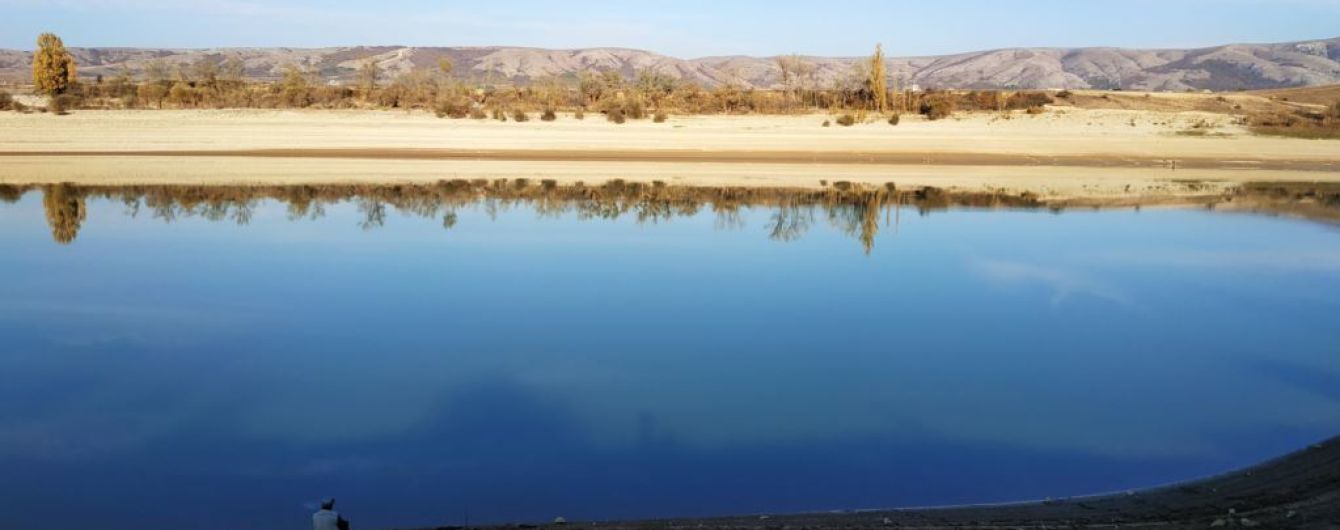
x: 687, y: 28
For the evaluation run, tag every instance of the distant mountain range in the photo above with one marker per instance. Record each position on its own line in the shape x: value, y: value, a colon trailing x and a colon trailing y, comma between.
x: 1228, y: 67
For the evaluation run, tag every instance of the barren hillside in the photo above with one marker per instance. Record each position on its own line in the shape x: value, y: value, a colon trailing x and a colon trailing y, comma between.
x: 1229, y: 67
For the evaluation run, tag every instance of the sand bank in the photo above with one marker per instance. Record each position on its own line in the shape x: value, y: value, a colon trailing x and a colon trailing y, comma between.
x: 1065, y: 152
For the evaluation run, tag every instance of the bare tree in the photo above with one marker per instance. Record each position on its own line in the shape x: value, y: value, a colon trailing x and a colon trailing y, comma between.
x: 157, y: 71
x: 368, y: 76
x: 795, y: 71
x: 879, y: 80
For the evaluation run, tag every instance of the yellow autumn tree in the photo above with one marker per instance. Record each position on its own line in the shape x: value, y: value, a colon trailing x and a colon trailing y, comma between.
x: 878, y: 79
x: 65, y: 211
x: 53, y: 66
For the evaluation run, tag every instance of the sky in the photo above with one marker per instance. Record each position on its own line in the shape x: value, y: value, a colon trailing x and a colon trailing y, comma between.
x: 686, y: 28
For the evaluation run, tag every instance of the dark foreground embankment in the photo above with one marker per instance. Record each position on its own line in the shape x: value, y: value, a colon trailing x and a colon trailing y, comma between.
x: 1301, y: 490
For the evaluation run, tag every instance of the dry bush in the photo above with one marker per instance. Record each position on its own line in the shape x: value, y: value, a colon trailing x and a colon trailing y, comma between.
x: 548, y: 115
x: 629, y: 108
x: 1064, y: 94
x: 635, y: 109
x: 182, y: 95
x: 6, y: 101
x: 499, y: 114
x: 828, y: 123
x: 660, y: 117
x: 846, y: 120
x: 152, y: 93
x: 478, y: 114
x: 580, y: 114
x: 328, y: 97
x: 981, y: 100
x: 894, y: 119
x: 616, y: 116
x: 1028, y: 100
x: 455, y: 108
x: 62, y: 104
x: 1299, y: 124
x: 937, y: 106
x: 1035, y: 110
x: 520, y: 116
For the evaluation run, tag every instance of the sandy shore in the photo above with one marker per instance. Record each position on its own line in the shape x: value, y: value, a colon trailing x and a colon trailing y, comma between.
x: 1050, y: 182
x: 1065, y: 152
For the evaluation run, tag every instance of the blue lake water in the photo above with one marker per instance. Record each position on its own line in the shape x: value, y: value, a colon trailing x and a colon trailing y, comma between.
x: 517, y: 366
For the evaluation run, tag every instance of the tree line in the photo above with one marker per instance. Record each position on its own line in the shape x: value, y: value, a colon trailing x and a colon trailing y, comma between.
x: 218, y: 82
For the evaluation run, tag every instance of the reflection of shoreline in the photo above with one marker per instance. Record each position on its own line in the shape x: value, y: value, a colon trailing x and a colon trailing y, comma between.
x: 1295, y: 491
x: 722, y: 156
x: 857, y: 209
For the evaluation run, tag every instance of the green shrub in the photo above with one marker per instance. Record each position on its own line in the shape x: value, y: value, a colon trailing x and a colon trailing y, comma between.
x: 846, y: 120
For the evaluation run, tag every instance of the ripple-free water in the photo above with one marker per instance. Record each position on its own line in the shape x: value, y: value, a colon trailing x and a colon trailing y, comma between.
x: 518, y: 366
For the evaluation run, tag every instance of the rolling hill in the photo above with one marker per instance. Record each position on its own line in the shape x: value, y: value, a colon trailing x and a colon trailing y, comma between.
x: 1228, y: 67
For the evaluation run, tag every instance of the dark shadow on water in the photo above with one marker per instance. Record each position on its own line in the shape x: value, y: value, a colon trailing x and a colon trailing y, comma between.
x: 495, y: 450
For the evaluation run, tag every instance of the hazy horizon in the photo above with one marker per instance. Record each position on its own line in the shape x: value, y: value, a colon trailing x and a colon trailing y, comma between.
x: 684, y: 30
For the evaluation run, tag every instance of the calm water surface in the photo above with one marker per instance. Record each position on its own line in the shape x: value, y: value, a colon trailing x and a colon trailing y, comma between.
x: 202, y: 374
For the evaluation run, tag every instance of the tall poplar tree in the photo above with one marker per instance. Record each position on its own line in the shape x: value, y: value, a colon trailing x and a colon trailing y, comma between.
x: 53, y: 66
x: 878, y: 80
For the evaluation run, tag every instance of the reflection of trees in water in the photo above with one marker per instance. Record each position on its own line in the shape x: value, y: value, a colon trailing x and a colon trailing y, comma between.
x: 728, y: 217
x: 65, y: 211
x: 852, y: 209
x: 11, y: 193
x: 790, y: 221
x: 859, y: 217
x: 374, y: 213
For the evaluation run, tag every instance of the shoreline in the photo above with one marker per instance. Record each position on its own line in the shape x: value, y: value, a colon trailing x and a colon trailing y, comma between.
x: 694, y: 156
x: 1064, y: 153
x: 1298, y: 490
x: 1051, y: 186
